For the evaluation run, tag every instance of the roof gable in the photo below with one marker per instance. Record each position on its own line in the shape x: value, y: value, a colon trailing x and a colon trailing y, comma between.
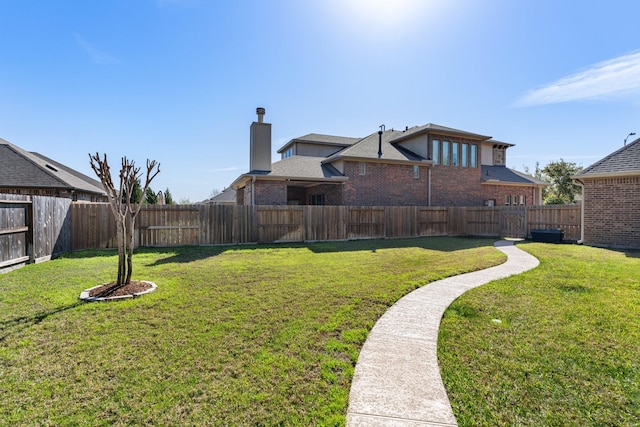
x: 367, y: 148
x: 23, y: 169
x: 622, y: 161
x: 320, y: 139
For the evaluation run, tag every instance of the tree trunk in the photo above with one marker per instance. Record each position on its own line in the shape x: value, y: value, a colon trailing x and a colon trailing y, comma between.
x: 130, y: 244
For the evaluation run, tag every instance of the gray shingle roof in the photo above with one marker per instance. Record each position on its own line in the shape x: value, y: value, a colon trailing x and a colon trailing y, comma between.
x: 622, y: 161
x: 502, y: 175
x: 367, y: 148
x: 304, y: 167
x: 24, y: 169
x: 434, y: 128
x: 318, y: 138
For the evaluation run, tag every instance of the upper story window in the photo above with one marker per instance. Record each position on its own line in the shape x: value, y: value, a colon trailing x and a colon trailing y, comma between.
x: 435, y: 151
x: 464, y: 158
x: 474, y: 156
x: 287, y: 153
x: 455, y: 154
x: 362, y: 168
x: 416, y: 171
x: 445, y: 153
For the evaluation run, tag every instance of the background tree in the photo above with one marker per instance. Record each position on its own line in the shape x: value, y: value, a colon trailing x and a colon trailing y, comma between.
x: 168, y: 198
x: 136, y: 192
x: 562, y: 189
x: 150, y: 197
x: 124, y: 209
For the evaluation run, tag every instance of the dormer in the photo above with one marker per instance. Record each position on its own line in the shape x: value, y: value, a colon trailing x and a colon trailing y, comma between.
x: 316, y: 145
x: 494, y: 153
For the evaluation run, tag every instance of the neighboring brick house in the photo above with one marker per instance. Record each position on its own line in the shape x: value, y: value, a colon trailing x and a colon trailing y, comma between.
x: 28, y: 173
x: 428, y: 165
x: 611, y: 199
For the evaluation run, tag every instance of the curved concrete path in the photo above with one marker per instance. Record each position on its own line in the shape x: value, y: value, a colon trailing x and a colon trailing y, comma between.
x: 397, y: 379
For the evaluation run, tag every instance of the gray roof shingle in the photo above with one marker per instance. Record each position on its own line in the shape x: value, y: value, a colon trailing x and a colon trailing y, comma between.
x: 367, y: 148
x: 24, y: 169
x: 622, y: 161
x: 317, y: 138
x: 502, y: 174
x: 303, y: 167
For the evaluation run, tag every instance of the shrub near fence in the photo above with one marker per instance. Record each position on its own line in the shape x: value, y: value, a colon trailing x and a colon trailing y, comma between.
x: 93, y: 225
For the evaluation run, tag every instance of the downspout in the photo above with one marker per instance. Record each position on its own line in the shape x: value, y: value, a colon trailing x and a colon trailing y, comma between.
x: 253, y: 191
x: 581, y: 184
x: 429, y: 185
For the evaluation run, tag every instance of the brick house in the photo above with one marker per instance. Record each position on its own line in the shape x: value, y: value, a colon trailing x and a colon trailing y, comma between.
x: 611, y: 199
x: 28, y: 173
x: 428, y: 165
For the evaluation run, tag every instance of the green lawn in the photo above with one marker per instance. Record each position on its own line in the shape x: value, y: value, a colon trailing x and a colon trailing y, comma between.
x: 558, y: 345
x: 265, y: 335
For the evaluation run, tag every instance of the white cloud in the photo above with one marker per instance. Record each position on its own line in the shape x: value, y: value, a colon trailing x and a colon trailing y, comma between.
x: 97, y: 56
x: 616, y: 77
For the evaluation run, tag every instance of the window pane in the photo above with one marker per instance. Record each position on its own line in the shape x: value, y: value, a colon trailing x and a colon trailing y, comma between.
x: 455, y: 156
x: 507, y: 200
x: 445, y: 153
x: 435, y: 150
x: 474, y: 156
x: 465, y: 155
x: 416, y: 171
x: 362, y: 166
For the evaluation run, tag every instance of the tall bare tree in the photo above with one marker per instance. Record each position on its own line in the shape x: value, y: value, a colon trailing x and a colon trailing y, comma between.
x: 123, y: 209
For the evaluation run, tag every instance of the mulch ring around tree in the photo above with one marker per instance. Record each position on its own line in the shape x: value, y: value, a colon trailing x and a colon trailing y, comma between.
x: 111, y: 291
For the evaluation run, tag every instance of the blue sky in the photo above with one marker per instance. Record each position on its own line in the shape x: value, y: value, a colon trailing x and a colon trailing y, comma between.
x: 178, y: 81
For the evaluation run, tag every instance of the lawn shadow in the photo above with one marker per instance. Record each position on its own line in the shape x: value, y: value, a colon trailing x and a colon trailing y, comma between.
x: 13, y: 326
x: 186, y: 254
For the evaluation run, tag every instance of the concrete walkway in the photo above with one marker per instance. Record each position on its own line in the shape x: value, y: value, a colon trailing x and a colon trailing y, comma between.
x: 397, y: 379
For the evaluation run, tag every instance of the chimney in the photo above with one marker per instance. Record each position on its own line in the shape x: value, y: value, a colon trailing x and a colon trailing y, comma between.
x: 260, y: 149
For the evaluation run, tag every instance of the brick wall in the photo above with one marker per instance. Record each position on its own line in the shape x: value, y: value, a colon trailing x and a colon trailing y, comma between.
x: 332, y: 193
x: 385, y: 185
x: 456, y: 186
x: 271, y: 193
x: 499, y: 192
x: 612, y: 212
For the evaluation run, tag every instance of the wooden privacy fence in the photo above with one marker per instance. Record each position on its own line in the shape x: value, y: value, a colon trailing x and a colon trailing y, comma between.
x: 32, y: 229
x: 93, y: 225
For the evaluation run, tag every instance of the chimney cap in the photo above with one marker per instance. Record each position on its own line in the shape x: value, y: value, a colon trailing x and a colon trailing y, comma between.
x: 260, y: 110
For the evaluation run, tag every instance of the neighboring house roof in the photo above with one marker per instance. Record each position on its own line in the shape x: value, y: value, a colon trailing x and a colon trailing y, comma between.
x: 499, y: 175
x: 225, y: 197
x: 24, y: 169
x: 624, y: 161
x: 318, y: 138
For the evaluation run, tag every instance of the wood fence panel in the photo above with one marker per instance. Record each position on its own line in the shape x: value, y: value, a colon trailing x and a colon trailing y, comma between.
x: 565, y: 217
x: 401, y: 221
x: 457, y: 221
x: 92, y: 226
x: 431, y: 221
x: 52, y: 222
x: 325, y: 223
x: 366, y: 222
x: 168, y: 225
x: 280, y: 224
x: 15, y: 231
x: 483, y: 221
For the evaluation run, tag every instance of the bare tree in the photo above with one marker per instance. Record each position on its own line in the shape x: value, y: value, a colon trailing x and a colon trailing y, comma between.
x: 123, y: 209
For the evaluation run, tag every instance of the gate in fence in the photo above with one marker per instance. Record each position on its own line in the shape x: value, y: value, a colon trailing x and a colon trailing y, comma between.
x: 513, y: 222
x: 16, y: 232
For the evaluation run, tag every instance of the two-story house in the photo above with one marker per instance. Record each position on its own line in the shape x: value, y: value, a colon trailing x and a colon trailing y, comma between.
x: 428, y: 165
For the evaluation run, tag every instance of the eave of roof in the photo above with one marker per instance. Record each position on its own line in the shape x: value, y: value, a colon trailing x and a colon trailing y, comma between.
x: 45, y: 173
x: 431, y: 128
x: 625, y: 161
x: 502, y: 175
x: 321, y: 139
x: 367, y: 150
